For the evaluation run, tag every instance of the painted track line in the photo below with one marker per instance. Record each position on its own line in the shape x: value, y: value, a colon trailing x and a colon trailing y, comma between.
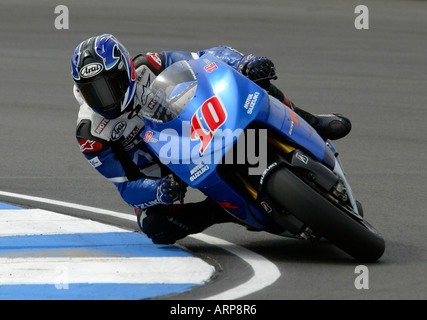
x: 70, y: 205
x: 265, y: 272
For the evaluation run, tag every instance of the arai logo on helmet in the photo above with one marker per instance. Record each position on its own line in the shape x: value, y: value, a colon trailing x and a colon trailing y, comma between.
x: 91, y: 70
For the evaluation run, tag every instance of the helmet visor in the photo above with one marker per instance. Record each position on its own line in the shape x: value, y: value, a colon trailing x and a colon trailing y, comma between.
x: 105, y: 94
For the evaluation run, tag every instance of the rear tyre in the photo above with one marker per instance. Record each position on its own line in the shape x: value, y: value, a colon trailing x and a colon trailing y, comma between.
x: 348, y: 231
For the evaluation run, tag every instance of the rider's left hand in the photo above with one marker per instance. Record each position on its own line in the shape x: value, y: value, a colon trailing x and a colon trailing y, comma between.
x: 169, y: 190
x: 259, y: 70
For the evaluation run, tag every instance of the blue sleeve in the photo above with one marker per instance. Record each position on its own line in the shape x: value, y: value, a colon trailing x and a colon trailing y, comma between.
x: 228, y: 55
x: 141, y: 193
x: 170, y: 57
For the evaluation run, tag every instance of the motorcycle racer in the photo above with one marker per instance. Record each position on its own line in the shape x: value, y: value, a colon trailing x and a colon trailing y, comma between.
x: 112, y: 89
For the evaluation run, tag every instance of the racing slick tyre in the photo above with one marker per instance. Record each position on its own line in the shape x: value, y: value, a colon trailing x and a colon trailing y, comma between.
x: 326, y: 218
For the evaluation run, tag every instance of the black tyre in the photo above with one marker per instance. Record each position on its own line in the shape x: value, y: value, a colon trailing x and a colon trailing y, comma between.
x: 352, y: 234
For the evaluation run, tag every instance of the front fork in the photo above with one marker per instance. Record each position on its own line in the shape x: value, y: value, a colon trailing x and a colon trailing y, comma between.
x: 338, y: 169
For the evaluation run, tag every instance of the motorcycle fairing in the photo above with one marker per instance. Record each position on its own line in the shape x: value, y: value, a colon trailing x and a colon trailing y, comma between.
x: 225, y: 102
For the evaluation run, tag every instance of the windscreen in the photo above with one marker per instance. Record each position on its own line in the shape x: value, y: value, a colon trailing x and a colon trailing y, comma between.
x: 170, y: 92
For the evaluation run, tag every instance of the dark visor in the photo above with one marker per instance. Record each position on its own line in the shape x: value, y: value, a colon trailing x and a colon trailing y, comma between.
x: 105, y: 94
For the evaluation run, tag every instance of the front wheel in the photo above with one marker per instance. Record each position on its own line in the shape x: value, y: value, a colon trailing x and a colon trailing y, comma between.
x: 350, y: 232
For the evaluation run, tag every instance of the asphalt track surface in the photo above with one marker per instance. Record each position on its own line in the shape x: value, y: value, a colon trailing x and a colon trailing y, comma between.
x: 377, y: 77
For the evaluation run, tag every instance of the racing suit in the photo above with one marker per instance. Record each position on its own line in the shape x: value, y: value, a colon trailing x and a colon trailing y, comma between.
x: 116, y: 149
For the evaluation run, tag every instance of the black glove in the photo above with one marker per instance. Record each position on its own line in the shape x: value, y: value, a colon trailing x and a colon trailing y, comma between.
x: 258, y: 69
x: 169, y: 190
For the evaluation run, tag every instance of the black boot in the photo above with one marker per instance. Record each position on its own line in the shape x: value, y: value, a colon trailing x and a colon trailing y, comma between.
x: 165, y: 224
x: 328, y: 126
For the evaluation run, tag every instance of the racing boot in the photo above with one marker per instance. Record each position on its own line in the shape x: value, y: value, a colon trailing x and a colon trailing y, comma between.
x: 328, y: 126
x: 165, y: 224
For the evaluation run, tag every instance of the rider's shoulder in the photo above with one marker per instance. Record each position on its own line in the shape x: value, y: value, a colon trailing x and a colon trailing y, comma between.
x: 91, y: 125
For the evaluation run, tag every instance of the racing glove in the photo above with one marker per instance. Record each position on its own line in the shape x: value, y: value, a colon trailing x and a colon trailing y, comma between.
x: 169, y: 190
x: 258, y: 69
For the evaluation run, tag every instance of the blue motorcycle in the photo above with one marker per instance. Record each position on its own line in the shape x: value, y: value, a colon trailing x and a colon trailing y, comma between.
x: 224, y: 135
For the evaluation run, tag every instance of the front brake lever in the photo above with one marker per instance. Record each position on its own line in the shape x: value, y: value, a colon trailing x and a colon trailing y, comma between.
x: 266, y: 78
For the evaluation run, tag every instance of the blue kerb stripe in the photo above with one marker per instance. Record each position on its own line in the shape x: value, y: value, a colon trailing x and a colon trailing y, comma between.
x: 8, y: 206
x: 86, y: 291
x: 124, y: 244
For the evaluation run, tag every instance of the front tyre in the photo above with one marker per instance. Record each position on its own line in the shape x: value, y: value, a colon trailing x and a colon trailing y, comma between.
x: 351, y: 233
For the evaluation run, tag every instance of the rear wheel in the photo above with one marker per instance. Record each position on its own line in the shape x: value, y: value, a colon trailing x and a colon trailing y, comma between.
x: 325, y: 217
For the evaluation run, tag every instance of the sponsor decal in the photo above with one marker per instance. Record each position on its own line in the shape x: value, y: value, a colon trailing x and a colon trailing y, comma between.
x: 95, y: 162
x: 197, y: 171
x: 146, y: 205
x: 118, y: 130
x: 131, y: 137
x: 206, y: 120
x: 250, y: 102
x: 149, y: 137
x: 211, y: 66
x: 269, y: 168
x: 302, y: 157
x: 155, y: 60
x: 294, y: 120
x: 266, y: 207
x: 101, y: 126
x: 88, y: 146
x: 91, y: 70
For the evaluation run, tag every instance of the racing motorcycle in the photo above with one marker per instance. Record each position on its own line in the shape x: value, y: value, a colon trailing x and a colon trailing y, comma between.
x: 222, y: 134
